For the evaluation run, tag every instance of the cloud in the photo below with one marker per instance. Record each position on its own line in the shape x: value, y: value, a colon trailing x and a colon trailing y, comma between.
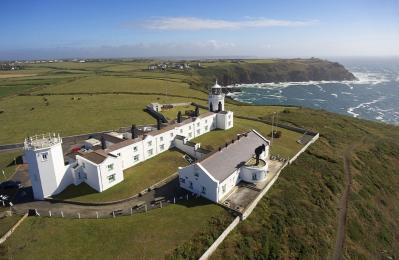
x: 193, y: 23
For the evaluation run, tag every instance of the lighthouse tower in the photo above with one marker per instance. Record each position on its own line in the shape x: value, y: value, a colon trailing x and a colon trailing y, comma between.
x: 216, y: 98
x: 46, y: 164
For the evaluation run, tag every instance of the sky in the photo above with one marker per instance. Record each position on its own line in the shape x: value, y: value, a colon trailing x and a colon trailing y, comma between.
x: 181, y: 28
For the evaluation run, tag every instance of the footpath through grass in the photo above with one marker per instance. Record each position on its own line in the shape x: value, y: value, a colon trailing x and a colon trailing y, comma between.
x: 137, y: 178
x: 151, y: 235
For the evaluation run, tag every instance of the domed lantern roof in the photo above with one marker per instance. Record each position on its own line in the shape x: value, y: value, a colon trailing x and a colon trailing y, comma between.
x: 216, y: 85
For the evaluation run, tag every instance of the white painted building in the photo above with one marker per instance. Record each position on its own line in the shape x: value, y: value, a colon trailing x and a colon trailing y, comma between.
x: 216, y: 176
x: 103, y: 168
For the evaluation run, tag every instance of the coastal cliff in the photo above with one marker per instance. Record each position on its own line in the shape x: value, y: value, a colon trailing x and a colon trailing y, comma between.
x: 275, y: 70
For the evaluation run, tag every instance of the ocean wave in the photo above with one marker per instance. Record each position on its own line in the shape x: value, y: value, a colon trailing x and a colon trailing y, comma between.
x: 362, y: 105
x: 335, y: 95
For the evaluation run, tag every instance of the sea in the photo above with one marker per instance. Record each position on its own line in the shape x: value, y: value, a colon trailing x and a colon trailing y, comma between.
x: 374, y: 95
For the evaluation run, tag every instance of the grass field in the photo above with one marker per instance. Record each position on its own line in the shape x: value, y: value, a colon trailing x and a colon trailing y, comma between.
x: 137, y: 178
x: 143, y: 236
x: 285, y: 146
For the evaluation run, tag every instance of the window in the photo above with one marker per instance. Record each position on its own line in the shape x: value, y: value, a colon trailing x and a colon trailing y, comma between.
x: 181, y: 131
x: 198, y: 131
x: 119, y: 154
x: 203, y: 190
x: 135, y: 149
x: 110, y: 167
x: 136, y: 158
x: 189, y: 127
x: 196, y: 174
x: 171, y: 134
x: 191, y: 184
x: 83, y: 165
x: 224, y: 188
x: 206, y: 128
x: 161, y: 138
x: 206, y: 121
x: 149, y: 143
x: 190, y: 135
x: 44, y: 156
x: 149, y: 152
x: 111, y: 178
x: 162, y: 147
x: 198, y: 124
x: 182, y: 180
x: 254, y: 177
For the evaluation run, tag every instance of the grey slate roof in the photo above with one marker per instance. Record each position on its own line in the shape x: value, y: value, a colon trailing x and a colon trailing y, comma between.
x: 223, y: 163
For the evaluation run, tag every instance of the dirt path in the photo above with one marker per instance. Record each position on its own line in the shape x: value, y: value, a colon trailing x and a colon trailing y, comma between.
x: 343, y: 203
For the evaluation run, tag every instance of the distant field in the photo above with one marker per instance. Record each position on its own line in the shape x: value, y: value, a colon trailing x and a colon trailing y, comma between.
x: 15, y: 75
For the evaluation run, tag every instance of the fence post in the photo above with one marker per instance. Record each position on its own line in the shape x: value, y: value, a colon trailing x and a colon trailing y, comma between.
x: 174, y: 200
x: 113, y: 214
x: 145, y: 206
x: 62, y: 214
x: 187, y: 196
x: 131, y: 211
x: 97, y: 214
x: 160, y: 203
x: 78, y: 215
x: 49, y: 213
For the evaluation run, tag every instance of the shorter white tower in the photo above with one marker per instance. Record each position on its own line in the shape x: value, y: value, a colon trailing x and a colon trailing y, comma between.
x: 216, y: 98
x: 46, y: 164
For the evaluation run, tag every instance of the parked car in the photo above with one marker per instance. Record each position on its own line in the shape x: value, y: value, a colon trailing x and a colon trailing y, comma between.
x: 10, y: 185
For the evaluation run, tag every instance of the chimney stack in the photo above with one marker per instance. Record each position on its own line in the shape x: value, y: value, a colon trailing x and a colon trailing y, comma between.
x: 179, y: 117
x: 158, y: 124
x: 133, y: 130
x: 103, y: 144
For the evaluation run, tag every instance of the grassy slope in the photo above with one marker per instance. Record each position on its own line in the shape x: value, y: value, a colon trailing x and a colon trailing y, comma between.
x: 297, y: 219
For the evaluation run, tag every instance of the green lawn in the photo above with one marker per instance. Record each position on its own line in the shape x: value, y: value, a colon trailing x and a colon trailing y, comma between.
x: 149, y: 235
x: 7, y: 164
x: 137, y: 178
x: 285, y: 146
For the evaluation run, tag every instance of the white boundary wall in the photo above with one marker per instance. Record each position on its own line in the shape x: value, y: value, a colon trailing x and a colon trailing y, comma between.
x: 9, y: 233
x: 220, y: 239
